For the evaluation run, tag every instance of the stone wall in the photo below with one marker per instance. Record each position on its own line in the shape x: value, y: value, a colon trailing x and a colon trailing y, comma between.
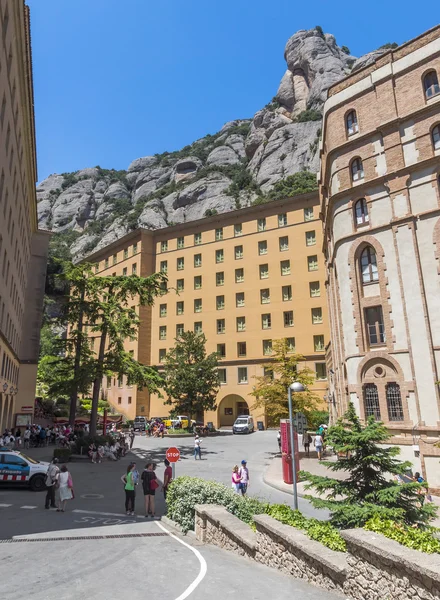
x: 373, y: 568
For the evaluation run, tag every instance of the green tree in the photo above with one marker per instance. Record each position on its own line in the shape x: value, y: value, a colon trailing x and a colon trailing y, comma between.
x: 271, y: 389
x: 371, y: 487
x: 191, y: 375
x: 298, y: 183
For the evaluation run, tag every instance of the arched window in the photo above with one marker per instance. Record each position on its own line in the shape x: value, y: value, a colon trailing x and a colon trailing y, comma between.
x: 357, y: 169
x: 430, y: 84
x: 436, y: 137
x: 371, y: 398
x: 351, y: 122
x: 369, y: 265
x: 361, y: 212
x: 394, y: 402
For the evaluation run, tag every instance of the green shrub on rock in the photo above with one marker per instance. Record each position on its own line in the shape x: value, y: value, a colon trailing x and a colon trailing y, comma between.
x: 411, y: 537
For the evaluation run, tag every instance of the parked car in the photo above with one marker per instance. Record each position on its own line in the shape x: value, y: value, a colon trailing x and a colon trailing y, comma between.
x: 17, y: 469
x: 177, y: 422
x: 243, y: 424
x: 139, y: 423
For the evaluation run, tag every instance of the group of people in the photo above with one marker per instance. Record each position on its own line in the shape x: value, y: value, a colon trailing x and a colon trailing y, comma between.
x: 150, y: 483
x: 318, y: 441
x: 114, y: 451
x: 240, y: 478
x: 38, y: 436
x: 59, y: 484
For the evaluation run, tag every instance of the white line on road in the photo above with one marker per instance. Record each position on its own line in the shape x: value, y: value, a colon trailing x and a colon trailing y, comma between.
x: 30, y: 507
x: 103, y: 514
x: 5, y: 505
x: 203, y: 566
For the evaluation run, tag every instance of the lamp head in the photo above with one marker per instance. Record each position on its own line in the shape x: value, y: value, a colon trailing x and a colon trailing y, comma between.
x: 296, y: 386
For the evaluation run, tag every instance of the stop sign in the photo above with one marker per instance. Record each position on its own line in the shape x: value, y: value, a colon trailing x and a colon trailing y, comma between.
x: 173, y: 454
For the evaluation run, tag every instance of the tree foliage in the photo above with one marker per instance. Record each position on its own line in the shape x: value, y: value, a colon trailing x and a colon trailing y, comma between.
x: 271, y: 389
x: 371, y: 487
x: 298, y: 183
x: 191, y: 375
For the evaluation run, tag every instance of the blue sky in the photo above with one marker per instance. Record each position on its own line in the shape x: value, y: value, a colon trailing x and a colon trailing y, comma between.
x: 119, y: 79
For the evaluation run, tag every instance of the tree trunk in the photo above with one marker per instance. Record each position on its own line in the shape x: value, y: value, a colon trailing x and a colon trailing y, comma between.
x: 77, y: 364
x: 97, y: 382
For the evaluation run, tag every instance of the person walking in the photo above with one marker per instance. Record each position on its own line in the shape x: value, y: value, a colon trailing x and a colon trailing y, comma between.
x: 167, y: 477
x: 197, y: 449
x: 149, y: 485
x: 65, y: 488
x: 319, y: 441
x: 129, y: 487
x: 244, y: 477
x: 51, y: 481
x: 236, y: 480
x: 307, y: 440
x: 132, y: 434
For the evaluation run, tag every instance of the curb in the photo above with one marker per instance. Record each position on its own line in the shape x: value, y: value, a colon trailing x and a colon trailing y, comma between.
x: 177, y: 527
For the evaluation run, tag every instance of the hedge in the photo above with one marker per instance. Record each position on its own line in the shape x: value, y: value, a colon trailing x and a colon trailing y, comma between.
x: 63, y: 454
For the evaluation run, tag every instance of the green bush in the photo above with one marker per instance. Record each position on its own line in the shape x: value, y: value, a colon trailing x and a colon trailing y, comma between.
x: 63, y: 454
x: 345, y: 49
x: 85, y: 441
x: 185, y: 492
x: 321, y: 531
x: 298, y: 183
x: 309, y: 114
x: 411, y: 537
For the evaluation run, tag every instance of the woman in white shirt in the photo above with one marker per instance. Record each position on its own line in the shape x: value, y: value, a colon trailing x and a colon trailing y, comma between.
x: 65, y: 484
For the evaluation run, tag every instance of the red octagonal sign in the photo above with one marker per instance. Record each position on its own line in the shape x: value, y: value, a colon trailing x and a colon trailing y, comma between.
x: 173, y: 454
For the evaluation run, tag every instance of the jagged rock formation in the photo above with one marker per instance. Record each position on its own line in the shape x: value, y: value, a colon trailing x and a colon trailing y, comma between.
x: 215, y: 174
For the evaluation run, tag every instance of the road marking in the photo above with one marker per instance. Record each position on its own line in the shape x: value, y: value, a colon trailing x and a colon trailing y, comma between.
x: 103, y: 514
x: 5, y: 505
x: 203, y: 566
x: 93, y: 496
x: 29, y: 507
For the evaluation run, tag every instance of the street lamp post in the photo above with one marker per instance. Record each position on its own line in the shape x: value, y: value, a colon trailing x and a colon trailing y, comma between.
x: 293, y: 387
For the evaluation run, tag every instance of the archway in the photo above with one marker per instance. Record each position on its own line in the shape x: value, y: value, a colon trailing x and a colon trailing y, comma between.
x: 229, y: 408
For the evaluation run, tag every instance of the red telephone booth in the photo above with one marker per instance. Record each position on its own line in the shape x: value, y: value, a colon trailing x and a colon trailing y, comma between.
x: 286, y: 452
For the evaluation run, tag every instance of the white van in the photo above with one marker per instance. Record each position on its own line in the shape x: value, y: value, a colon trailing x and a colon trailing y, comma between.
x: 243, y: 424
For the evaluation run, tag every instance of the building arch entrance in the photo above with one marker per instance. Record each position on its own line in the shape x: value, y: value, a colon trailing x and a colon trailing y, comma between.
x: 230, y: 407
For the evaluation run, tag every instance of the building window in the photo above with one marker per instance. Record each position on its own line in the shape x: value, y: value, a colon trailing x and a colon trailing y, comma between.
x: 126, y: 253
x: 430, y: 84
x: 267, y: 347
x: 312, y: 263
x: 135, y: 249
x: 288, y: 318
x: 287, y: 293
x: 197, y: 238
x: 262, y: 247
x: 164, y: 246
x: 180, y: 307
x: 163, y: 266
x: 222, y: 376
x: 120, y: 382
x: 180, y: 243
x: 163, y: 332
x: 198, y: 282
x: 375, y: 325
x: 129, y: 399
x: 220, y: 302
x: 163, y: 310
x: 238, y: 229
x: 119, y: 400
x: 219, y: 234
x: 394, y: 402
x: 321, y: 371
x: 180, y: 285
x: 318, y: 343
x: 282, y: 220
x: 308, y: 213
x: 134, y: 269
x: 436, y: 137
x: 239, y: 299
x: 124, y: 271
x: 285, y: 267
x: 357, y: 170
x: 261, y: 226
x: 264, y: 271
x: 198, y: 327
x: 238, y: 252
x: 221, y: 326
x: 180, y: 328
x: 351, y: 122
x: 115, y: 258
x: 241, y: 349
x: 242, y: 375
x: 315, y: 289
x: 361, y: 212
x: 198, y: 305
x: 180, y: 263
x: 316, y: 316
x: 371, y: 398
x: 241, y: 323
x: 290, y: 344
x: 368, y: 264
x: 239, y: 275
x: 162, y: 355
x: 284, y: 243
x: 268, y: 372
x: 266, y: 321
x: 265, y: 296
x: 219, y: 256
x: 106, y: 263
x: 197, y: 260
x: 310, y: 238
x: 221, y: 350
x: 220, y: 278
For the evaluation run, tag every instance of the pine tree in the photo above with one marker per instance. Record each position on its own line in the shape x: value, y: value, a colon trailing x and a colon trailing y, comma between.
x: 372, y: 487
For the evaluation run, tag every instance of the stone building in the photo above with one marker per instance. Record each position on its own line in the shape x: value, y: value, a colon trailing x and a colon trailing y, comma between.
x: 380, y: 203
x: 244, y: 279
x: 23, y: 248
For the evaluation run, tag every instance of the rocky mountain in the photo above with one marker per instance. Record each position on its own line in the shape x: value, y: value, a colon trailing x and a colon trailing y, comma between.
x: 237, y: 166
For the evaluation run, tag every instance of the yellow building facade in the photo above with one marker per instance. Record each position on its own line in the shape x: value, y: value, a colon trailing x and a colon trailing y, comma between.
x: 244, y: 279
